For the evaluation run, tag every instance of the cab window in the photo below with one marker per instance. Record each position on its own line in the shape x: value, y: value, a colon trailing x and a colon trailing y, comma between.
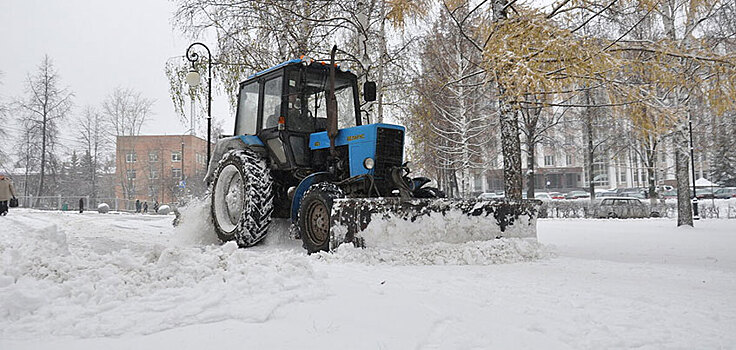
x: 272, y: 102
x: 247, y: 110
x: 298, y: 117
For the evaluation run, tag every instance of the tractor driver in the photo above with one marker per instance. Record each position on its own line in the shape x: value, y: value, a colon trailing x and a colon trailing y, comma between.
x: 295, y: 117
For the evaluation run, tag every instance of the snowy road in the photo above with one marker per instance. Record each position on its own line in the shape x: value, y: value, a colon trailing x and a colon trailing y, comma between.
x: 90, y: 281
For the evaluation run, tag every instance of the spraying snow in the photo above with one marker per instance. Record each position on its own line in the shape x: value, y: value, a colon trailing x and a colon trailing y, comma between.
x: 195, y: 224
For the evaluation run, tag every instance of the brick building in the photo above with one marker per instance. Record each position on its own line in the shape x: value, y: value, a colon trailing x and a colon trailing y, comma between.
x: 161, y: 168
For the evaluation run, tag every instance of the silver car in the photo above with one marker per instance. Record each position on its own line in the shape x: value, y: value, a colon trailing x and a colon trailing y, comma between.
x: 624, y: 208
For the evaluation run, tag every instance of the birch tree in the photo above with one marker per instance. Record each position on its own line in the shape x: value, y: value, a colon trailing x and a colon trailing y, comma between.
x: 684, y: 67
x: 457, y: 125
x: 46, y: 104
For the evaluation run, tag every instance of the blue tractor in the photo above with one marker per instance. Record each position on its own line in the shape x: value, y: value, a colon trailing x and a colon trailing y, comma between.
x: 301, y: 151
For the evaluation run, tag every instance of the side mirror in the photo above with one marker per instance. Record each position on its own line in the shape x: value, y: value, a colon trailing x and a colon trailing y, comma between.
x: 369, y: 91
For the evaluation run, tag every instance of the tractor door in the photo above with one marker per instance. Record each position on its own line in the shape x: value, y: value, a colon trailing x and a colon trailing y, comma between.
x: 246, y: 120
x: 272, y: 119
x: 284, y: 126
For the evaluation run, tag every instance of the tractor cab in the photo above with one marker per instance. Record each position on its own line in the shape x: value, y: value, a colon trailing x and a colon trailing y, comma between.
x: 285, y: 104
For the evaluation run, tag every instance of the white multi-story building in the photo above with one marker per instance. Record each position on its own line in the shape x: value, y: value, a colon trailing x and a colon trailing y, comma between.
x: 560, y: 165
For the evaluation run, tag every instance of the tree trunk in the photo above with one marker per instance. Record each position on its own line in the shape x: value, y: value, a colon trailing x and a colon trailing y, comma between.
x: 43, y: 161
x: 684, y: 207
x: 530, y: 165
x: 650, y: 176
x: 590, y: 154
x: 511, y: 149
x: 510, y: 144
x: 381, y: 64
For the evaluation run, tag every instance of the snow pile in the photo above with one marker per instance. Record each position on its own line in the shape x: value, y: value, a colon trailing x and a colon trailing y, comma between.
x: 195, y: 225
x: 499, y: 251
x: 163, y: 210
x: 103, y: 208
x: 46, y: 288
x: 66, y: 277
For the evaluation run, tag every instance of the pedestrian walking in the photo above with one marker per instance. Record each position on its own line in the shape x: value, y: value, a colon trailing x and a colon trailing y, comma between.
x: 145, y: 207
x: 7, y: 192
x: 137, y: 206
x: 81, y: 205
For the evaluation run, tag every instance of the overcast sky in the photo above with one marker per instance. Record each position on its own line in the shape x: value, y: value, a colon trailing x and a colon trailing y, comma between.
x: 95, y: 45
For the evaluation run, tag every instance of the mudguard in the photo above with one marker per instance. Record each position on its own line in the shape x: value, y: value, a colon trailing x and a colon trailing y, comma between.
x: 302, y: 189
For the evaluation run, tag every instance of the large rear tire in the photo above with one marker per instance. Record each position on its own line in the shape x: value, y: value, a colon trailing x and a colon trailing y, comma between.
x: 314, y: 216
x: 242, y: 198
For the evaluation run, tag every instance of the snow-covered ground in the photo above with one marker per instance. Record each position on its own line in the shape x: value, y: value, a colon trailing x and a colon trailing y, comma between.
x: 124, y: 281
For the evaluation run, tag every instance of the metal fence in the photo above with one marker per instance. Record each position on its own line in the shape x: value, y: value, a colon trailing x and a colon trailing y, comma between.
x: 72, y: 203
x: 584, y: 209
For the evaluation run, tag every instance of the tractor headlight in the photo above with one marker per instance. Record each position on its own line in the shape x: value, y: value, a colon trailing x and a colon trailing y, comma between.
x: 369, y: 163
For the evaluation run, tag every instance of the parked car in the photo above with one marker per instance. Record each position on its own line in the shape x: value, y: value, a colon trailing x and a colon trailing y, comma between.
x: 556, y: 195
x: 704, y: 193
x: 577, y: 195
x: 725, y: 193
x: 624, y: 208
x: 671, y: 194
x: 491, y: 195
x: 606, y: 194
x: 543, y: 196
x: 633, y: 193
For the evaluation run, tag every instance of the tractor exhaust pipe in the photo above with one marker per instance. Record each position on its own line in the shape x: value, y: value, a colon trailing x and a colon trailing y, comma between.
x: 332, y: 105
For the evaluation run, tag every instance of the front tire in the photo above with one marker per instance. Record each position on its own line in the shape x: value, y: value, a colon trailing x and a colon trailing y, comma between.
x: 314, y: 216
x: 242, y: 198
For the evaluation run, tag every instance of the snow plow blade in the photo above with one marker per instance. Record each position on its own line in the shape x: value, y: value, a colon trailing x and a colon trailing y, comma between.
x: 391, y: 222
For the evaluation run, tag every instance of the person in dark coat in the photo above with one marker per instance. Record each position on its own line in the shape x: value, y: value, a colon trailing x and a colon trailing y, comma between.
x: 81, y: 205
x: 137, y: 206
x: 145, y: 207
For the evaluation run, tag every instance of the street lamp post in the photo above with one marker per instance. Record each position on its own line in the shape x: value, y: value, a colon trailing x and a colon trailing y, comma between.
x: 692, y: 166
x: 193, y: 79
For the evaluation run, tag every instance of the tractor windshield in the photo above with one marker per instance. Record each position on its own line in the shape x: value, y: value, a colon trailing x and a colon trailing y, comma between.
x: 314, y: 90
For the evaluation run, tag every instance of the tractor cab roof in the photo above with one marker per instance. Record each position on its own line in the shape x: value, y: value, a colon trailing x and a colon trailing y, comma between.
x: 306, y: 61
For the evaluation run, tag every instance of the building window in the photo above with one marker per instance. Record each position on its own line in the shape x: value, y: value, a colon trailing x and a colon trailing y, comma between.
x: 600, y: 173
x: 130, y: 174
x: 131, y: 191
x: 478, y: 182
x: 568, y: 160
x: 130, y: 157
x: 176, y: 173
x: 152, y: 191
x: 200, y: 158
x: 153, y: 156
x: 549, y: 160
x: 153, y: 174
x: 176, y: 156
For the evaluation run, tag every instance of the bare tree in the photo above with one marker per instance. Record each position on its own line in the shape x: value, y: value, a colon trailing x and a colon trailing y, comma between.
x: 93, y: 137
x: 45, y: 105
x: 125, y: 111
